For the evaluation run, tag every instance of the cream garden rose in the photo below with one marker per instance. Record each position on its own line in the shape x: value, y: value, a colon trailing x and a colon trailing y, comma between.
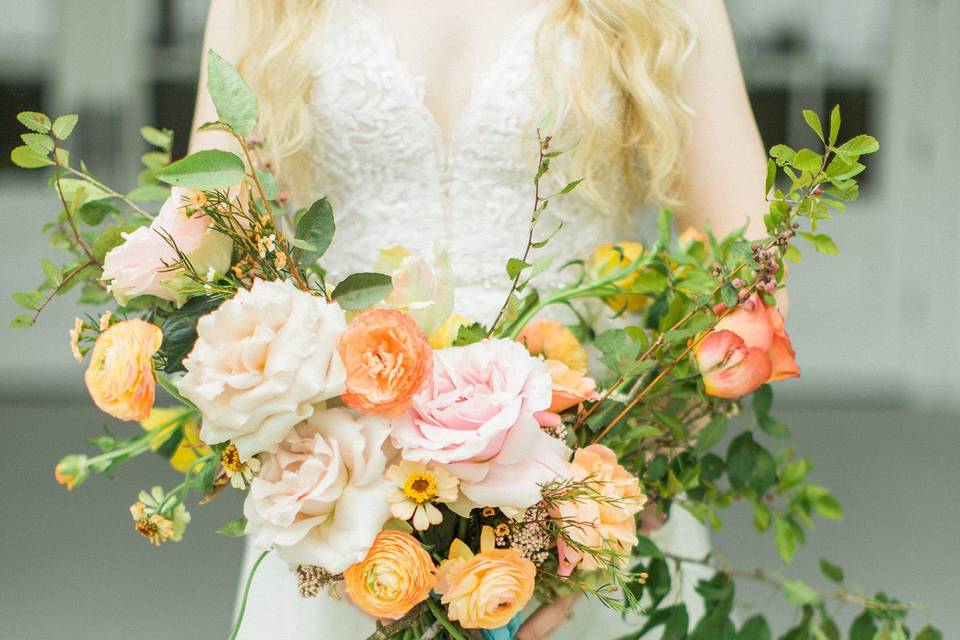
x: 140, y: 266
x: 261, y: 362
x: 321, y: 498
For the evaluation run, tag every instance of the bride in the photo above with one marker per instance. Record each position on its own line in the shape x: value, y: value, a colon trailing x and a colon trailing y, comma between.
x: 417, y: 118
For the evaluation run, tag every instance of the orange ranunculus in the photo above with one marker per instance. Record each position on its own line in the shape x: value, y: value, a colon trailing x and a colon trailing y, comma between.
x: 396, y: 575
x: 120, y: 376
x: 554, y: 341
x: 387, y: 358
x: 570, y: 387
x: 606, y: 524
x: 606, y: 260
x: 486, y: 590
x: 748, y: 347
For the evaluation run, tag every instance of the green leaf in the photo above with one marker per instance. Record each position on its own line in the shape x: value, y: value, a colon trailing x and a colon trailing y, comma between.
x: 761, y: 515
x: 34, y: 121
x: 63, y: 126
x: 316, y: 226
x: 95, y: 211
x: 21, y: 321
x: 863, y: 627
x: 27, y: 299
x: 712, y: 434
x: 149, y: 193
x: 741, y: 458
x: 361, y: 290
x: 756, y: 628
x: 771, y: 175
x: 828, y: 507
x: 773, y: 427
x: 52, y: 273
x: 515, y: 267
x: 646, y: 548
x: 269, y: 183
x: 26, y: 158
x: 861, y: 145
x: 792, y: 254
x: 663, y: 228
x: 180, y: 331
x: 677, y: 624
x: 834, y: 124
x: 764, y: 473
x: 41, y: 143
x: 813, y: 120
x: 807, y: 160
x: 782, y: 152
x: 620, y: 354
x: 831, y: 570
x: 158, y: 138
x: 929, y: 633
x: 762, y: 401
x: 204, y: 170
x: 236, y: 104
x: 672, y: 423
x: 785, y: 536
x: 570, y: 186
x: 172, y: 443
x: 822, y: 243
x: 234, y: 528
x: 799, y: 593
x: 469, y: 334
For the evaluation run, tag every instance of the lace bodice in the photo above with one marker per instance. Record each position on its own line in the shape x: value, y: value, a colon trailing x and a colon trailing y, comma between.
x: 381, y: 159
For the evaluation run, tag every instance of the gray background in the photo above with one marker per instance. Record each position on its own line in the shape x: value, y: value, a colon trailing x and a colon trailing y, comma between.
x: 875, y: 329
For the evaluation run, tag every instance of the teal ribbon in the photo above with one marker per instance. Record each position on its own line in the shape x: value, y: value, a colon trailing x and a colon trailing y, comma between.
x: 503, y: 633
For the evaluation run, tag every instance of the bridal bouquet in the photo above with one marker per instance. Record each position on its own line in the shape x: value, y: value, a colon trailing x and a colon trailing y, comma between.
x: 436, y: 471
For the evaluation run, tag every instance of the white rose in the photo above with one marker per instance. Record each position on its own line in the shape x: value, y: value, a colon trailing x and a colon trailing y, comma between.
x: 260, y: 364
x: 321, y: 498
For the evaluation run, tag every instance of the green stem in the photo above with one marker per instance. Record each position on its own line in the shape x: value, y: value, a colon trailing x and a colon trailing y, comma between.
x: 441, y: 617
x: 246, y: 592
x: 138, y: 445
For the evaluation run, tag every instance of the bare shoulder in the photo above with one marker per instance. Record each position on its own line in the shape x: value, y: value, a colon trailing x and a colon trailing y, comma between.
x: 225, y: 28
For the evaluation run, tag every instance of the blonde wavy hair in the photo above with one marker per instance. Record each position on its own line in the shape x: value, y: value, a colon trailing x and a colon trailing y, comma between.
x: 632, y: 50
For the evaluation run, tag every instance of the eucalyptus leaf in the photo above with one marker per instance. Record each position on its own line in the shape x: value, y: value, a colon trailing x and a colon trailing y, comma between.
x: 316, y: 227
x: 362, y: 290
x: 204, y: 170
x: 236, y: 104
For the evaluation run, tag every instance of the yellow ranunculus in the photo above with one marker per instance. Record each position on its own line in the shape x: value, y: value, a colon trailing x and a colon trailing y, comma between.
x: 120, y: 376
x: 606, y: 260
x: 485, y: 590
x: 190, y: 448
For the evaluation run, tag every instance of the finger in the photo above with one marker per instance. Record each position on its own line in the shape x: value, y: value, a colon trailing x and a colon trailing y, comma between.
x: 545, y: 620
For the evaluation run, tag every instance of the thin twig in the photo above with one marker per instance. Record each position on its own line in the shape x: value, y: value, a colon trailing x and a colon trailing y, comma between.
x: 66, y: 279
x: 69, y: 214
x: 107, y: 189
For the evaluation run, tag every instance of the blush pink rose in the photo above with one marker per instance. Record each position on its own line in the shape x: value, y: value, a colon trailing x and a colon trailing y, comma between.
x: 748, y: 347
x: 139, y: 266
x: 477, y: 417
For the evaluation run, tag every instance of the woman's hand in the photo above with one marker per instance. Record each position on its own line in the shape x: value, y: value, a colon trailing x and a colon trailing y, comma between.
x: 547, y: 618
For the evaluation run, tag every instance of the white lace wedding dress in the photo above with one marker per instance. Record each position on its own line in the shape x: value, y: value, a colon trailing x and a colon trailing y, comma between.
x: 382, y: 160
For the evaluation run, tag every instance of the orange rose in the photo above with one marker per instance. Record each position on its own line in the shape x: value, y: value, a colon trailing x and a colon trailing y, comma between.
x: 554, y: 341
x: 387, y: 358
x: 748, y: 347
x: 120, y: 376
x: 606, y: 260
x: 396, y: 575
x: 486, y: 590
x: 570, y: 387
x: 610, y: 524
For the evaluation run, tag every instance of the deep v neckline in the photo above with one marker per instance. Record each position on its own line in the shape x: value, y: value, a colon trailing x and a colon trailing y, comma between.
x: 480, y: 82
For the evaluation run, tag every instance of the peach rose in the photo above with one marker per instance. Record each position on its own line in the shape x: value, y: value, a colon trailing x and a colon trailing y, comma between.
x: 554, y: 341
x: 748, y: 347
x: 609, y: 525
x: 138, y: 267
x: 388, y: 358
x: 396, y: 575
x: 486, y: 590
x: 570, y: 387
x: 120, y: 376
x: 477, y: 418
x: 607, y: 260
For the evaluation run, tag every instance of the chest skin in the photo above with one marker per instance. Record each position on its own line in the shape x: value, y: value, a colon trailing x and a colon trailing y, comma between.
x: 449, y: 43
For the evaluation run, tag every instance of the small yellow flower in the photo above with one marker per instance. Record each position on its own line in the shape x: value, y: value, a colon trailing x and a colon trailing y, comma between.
x: 417, y: 488
x: 239, y: 472
x: 75, y: 334
x: 609, y: 258
x: 155, y: 520
x: 105, y: 320
x: 190, y: 449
